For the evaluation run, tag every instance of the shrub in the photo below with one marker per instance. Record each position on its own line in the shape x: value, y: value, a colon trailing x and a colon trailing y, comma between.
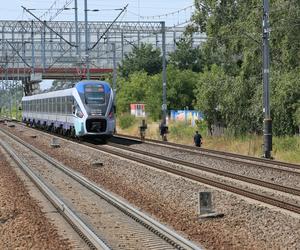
x: 126, y: 120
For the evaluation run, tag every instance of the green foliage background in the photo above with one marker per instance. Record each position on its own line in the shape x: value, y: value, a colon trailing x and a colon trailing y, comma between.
x: 222, y: 77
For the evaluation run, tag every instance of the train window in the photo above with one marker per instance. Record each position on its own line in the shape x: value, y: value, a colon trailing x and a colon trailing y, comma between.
x: 50, y: 105
x: 66, y: 104
x: 53, y: 105
x: 38, y: 105
x: 57, y: 104
x: 69, y: 104
x: 45, y: 105
x: 95, y: 98
x: 63, y: 105
x: 94, y: 94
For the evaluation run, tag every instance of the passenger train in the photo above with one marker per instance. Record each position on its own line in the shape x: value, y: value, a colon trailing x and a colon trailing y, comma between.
x: 87, y: 109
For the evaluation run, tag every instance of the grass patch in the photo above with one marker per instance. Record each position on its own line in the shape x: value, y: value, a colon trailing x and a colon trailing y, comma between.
x: 284, y: 148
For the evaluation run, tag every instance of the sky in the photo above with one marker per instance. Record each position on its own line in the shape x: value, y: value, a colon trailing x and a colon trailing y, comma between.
x: 137, y: 10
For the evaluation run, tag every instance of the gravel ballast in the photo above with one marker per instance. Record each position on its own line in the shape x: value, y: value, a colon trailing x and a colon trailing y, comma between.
x: 22, y: 223
x: 173, y: 200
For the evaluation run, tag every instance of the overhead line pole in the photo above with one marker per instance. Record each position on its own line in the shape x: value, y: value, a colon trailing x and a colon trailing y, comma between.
x: 266, y: 92
x: 114, y: 71
x: 76, y: 28
x: 32, y: 49
x: 164, y: 74
x: 86, y: 41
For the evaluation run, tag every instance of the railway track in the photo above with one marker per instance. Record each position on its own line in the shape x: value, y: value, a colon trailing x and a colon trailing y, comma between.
x: 261, y: 183
x: 153, y: 234
x: 83, y: 230
x: 221, y: 155
x: 218, y: 184
x: 262, y: 198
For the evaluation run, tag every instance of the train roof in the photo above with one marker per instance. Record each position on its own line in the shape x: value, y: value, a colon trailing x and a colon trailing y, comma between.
x: 57, y: 93
x: 64, y: 92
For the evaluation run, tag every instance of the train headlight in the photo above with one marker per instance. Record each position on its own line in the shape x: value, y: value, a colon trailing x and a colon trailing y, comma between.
x: 110, y: 115
x: 79, y: 114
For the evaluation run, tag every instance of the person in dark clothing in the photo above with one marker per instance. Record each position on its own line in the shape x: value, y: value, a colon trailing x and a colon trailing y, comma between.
x: 163, y: 131
x: 197, y: 139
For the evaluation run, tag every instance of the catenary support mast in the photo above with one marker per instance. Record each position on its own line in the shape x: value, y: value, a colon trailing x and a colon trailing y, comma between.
x: 266, y: 92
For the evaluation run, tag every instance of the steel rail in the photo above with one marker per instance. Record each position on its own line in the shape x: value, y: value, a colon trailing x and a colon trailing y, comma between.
x: 157, y: 228
x: 86, y: 233
x: 254, y: 181
x: 262, y: 198
x: 215, y: 153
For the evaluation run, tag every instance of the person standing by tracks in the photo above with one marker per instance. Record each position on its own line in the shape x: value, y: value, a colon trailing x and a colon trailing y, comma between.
x: 197, y: 139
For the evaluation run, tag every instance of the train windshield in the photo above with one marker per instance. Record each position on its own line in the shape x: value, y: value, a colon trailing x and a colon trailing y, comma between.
x: 94, y: 94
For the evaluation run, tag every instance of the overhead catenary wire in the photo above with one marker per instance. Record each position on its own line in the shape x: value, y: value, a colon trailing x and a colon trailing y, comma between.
x: 17, y: 52
x: 58, y: 10
x: 107, y: 29
x: 46, y: 25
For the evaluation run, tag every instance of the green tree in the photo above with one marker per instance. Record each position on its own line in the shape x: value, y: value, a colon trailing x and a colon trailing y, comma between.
x: 210, y: 89
x: 234, y: 44
x: 144, y: 58
x: 285, y: 96
x: 297, y: 117
x: 153, y: 98
x: 131, y: 90
x: 180, y: 88
x: 185, y: 56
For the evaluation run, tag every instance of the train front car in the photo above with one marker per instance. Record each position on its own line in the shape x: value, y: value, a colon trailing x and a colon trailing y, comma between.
x: 94, y: 109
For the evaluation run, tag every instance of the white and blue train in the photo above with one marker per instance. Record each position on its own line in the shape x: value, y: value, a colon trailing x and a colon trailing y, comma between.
x: 87, y: 109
